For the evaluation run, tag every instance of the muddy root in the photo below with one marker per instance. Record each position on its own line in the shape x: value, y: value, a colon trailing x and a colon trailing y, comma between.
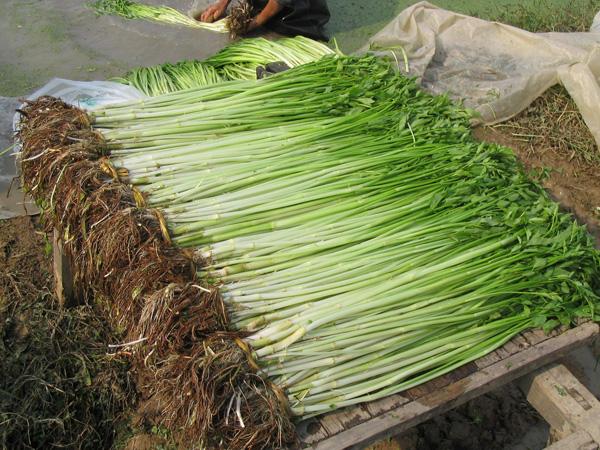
x: 215, y: 392
x: 239, y: 19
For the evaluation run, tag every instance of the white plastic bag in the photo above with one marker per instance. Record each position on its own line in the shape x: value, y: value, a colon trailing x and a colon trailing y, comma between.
x: 85, y: 94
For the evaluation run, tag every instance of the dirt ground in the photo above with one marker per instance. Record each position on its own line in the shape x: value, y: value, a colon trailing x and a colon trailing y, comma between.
x: 499, y: 420
x: 58, y: 386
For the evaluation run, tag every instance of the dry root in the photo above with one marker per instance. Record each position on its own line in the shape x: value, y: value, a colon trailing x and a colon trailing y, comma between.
x: 239, y: 19
x: 177, y: 317
x: 213, y: 391
x: 116, y: 248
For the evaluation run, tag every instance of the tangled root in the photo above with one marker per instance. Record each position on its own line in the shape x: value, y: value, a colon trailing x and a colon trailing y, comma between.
x: 239, y: 19
x: 265, y: 414
x: 177, y: 317
x: 116, y: 248
x: 215, y: 392
x: 54, y: 135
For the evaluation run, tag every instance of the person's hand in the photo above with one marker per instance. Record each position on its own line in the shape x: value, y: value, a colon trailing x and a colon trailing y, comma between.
x: 254, y: 23
x: 214, y: 12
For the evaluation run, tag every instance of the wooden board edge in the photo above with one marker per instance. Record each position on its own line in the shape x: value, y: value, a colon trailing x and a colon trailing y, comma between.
x: 576, y: 441
x: 407, y: 416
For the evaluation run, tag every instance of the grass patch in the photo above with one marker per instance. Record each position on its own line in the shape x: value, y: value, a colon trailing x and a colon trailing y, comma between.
x: 553, y: 122
x: 544, y: 15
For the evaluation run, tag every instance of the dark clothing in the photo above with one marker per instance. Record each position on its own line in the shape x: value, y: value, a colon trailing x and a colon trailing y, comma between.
x: 298, y: 17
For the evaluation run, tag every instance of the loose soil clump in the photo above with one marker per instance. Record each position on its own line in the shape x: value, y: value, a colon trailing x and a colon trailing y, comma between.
x: 493, y: 421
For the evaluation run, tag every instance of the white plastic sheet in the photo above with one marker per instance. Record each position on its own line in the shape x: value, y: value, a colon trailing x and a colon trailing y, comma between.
x: 88, y: 94
x: 85, y: 94
x: 495, y: 69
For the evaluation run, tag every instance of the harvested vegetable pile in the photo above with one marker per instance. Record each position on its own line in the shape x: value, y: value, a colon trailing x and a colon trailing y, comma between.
x: 237, y: 61
x: 161, y: 14
x: 350, y: 241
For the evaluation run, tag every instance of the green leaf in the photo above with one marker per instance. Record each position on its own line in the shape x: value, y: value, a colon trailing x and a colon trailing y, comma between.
x: 550, y: 325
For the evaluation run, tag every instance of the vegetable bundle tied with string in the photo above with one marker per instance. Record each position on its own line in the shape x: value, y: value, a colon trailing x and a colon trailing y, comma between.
x: 361, y: 241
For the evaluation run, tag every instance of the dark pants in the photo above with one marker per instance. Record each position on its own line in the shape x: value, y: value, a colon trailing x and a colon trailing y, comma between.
x: 298, y: 17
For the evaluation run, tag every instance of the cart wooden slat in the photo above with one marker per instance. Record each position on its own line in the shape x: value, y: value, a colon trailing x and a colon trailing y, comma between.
x: 361, y: 425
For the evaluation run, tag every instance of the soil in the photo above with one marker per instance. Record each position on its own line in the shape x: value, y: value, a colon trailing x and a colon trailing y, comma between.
x: 573, y: 183
x: 497, y: 420
x: 22, y: 260
x: 494, y: 421
x: 58, y: 386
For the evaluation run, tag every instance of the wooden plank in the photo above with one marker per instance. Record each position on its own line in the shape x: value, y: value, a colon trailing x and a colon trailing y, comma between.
x: 566, y: 404
x: 386, y: 404
x: 521, y: 342
x: 590, y: 422
x: 511, y: 347
x: 576, y: 441
x: 535, y: 336
x: 503, y: 353
x: 430, y: 386
x: 332, y: 424
x: 412, y: 413
x: 311, y: 431
x: 63, y: 278
x: 440, y: 382
x: 488, y: 360
x: 338, y: 421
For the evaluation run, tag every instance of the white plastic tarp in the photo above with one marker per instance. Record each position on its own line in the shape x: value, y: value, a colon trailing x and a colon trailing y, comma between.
x: 495, y: 69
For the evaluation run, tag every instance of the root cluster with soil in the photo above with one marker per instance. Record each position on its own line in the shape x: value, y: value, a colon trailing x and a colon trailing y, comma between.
x: 199, y: 377
x: 240, y: 19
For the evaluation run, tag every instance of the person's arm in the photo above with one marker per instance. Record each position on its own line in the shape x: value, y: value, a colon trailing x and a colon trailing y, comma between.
x: 270, y: 10
x: 214, y: 12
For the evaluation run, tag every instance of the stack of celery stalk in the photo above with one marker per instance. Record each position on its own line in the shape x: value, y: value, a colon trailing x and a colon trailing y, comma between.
x: 358, y: 233
x: 237, y: 61
x: 161, y: 14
